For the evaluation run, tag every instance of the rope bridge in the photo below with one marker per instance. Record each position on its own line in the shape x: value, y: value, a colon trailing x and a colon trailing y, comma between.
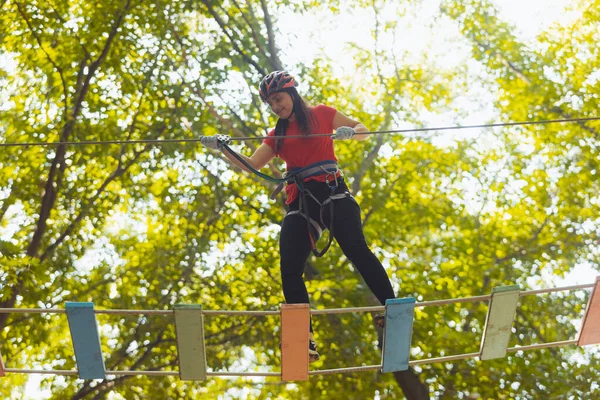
x: 399, y: 315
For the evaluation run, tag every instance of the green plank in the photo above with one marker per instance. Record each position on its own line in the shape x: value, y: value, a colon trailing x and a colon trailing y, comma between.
x: 499, y: 321
x: 189, y: 327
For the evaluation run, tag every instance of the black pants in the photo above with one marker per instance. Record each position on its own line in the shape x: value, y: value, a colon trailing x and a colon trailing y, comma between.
x: 347, y: 229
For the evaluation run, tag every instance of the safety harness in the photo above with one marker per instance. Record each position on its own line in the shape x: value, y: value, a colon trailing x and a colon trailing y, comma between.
x: 298, y: 176
x: 315, y: 228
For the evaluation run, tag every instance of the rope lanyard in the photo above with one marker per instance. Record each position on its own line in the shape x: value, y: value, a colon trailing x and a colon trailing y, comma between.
x: 295, y: 175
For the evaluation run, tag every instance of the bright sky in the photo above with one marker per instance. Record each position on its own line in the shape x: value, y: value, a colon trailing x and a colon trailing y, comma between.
x: 302, y: 37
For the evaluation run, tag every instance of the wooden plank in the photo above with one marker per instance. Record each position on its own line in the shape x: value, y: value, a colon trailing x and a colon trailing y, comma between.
x: 86, y: 340
x: 295, y: 327
x: 2, y: 373
x: 499, y: 322
x: 191, y: 350
x: 590, y: 328
x: 399, y: 316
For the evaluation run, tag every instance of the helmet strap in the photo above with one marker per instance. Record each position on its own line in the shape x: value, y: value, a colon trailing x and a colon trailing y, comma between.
x: 293, y: 103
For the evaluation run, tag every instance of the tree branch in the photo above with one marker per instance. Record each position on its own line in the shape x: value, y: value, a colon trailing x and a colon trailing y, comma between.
x: 367, y: 163
x: 72, y: 32
x: 390, y: 190
x: 255, y: 34
x: 521, y: 75
x: 235, y: 45
x: 54, y: 64
x: 102, y: 386
x: 275, y: 62
x: 6, y: 203
x: 566, y: 115
x: 408, y: 380
x: 118, y: 172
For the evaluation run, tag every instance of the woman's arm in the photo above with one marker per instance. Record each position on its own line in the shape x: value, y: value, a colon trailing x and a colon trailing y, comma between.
x: 259, y: 159
x: 342, y: 120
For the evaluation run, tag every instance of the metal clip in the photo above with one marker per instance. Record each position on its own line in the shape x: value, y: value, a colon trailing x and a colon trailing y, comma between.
x: 335, y: 178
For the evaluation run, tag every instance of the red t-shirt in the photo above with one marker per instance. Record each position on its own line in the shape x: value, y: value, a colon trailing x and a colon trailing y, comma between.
x: 301, y: 152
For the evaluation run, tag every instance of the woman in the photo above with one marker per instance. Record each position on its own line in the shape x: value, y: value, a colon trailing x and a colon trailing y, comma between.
x: 318, y: 198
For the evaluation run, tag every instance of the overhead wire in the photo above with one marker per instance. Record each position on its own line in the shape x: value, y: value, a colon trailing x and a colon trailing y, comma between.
x: 250, y: 138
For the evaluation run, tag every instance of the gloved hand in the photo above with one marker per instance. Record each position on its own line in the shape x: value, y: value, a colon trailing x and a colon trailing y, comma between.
x: 215, y: 142
x: 343, y: 133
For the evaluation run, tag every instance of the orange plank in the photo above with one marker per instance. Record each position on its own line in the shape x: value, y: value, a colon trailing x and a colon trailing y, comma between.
x: 1, y: 366
x: 295, y: 326
x: 590, y: 330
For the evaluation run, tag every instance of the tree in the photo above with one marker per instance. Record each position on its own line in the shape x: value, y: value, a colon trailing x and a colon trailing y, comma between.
x: 148, y: 226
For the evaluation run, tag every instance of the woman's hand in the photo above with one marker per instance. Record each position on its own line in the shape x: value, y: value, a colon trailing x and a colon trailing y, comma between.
x: 342, y: 123
x: 344, y: 133
x: 215, y: 142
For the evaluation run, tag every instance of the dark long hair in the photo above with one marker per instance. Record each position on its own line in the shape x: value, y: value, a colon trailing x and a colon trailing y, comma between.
x: 304, y: 117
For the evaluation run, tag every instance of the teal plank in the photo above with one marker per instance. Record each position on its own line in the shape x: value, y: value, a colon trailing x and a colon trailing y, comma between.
x: 499, y: 322
x: 189, y: 325
x: 399, y: 315
x: 86, y: 340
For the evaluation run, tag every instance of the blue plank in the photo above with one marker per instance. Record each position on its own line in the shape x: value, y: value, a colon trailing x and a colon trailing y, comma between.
x: 86, y: 340
x: 399, y: 315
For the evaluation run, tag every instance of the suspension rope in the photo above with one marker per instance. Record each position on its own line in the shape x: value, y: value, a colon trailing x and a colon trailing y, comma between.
x: 443, y: 359
x: 313, y: 312
x: 411, y: 130
x: 363, y: 368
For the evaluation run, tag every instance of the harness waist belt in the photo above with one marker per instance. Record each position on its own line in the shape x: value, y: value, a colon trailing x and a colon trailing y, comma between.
x: 313, y: 171
x: 306, y: 172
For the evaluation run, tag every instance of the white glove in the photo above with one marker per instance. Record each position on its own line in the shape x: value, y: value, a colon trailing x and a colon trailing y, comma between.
x: 215, y: 142
x: 344, y: 133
